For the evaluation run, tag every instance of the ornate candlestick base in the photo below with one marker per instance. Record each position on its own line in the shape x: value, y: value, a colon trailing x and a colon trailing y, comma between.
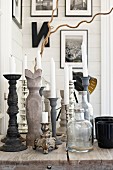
x: 12, y: 143
x: 53, y: 118
x: 45, y: 142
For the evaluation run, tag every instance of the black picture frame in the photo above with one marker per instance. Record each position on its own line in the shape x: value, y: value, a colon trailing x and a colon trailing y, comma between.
x: 17, y: 12
x: 71, y: 47
x: 81, y: 8
x: 43, y: 9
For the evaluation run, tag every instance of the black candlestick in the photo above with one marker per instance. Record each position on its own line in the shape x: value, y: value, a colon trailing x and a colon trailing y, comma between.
x: 53, y: 103
x: 12, y: 143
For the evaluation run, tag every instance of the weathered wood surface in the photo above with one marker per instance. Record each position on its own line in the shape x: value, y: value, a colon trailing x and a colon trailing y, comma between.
x: 98, y: 159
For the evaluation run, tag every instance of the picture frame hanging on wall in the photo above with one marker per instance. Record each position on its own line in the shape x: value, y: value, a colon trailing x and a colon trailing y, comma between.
x: 71, y: 47
x: 17, y: 12
x: 42, y: 8
x: 78, y: 8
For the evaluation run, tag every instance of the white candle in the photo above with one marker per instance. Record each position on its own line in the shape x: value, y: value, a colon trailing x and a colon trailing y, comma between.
x: 70, y: 73
x: 66, y: 85
x: 12, y: 65
x: 24, y: 66
x: 44, y: 117
x: 38, y: 61
x: 52, y: 79
x: 84, y: 61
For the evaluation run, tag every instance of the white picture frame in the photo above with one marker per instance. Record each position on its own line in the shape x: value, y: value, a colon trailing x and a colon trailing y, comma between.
x: 42, y: 8
x: 71, y: 47
x: 78, y: 8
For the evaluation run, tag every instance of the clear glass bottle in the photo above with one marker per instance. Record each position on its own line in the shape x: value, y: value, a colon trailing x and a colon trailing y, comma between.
x: 83, y: 102
x: 88, y: 109
x: 79, y: 133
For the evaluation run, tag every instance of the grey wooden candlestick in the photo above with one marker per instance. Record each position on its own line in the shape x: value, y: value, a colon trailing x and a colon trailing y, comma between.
x: 62, y: 129
x: 33, y: 106
x: 85, y: 83
x: 53, y: 103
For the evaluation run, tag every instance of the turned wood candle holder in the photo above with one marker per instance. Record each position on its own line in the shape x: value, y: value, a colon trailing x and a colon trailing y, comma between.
x: 12, y: 142
x: 53, y: 103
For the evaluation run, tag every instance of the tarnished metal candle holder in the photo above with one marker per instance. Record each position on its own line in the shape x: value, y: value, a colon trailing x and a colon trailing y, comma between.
x: 53, y: 103
x: 13, y: 142
x: 45, y: 142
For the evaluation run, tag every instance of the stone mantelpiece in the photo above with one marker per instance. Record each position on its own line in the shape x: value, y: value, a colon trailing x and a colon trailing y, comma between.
x: 98, y: 159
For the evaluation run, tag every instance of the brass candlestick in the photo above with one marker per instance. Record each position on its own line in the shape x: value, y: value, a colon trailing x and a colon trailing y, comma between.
x: 45, y: 142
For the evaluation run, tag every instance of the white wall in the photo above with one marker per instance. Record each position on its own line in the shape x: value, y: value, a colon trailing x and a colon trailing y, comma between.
x: 10, y: 44
x: 94, y: 56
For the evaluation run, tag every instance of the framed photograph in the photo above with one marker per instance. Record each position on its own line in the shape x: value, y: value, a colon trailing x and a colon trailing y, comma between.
x: 78, y: 8
x: 42, y: 8
x: 17, y: 12
x: 71, y: 47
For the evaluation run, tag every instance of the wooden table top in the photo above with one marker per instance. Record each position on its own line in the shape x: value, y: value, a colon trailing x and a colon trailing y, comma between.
x: 95, y: 159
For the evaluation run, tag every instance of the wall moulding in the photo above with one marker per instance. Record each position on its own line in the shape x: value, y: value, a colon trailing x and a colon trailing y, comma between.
x: 106, y: 59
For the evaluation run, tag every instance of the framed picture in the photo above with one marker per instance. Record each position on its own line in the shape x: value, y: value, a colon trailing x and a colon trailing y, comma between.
x: 71, y: 47
x: 17, y: 12
x: 78, y: 8
x: 42, y: 8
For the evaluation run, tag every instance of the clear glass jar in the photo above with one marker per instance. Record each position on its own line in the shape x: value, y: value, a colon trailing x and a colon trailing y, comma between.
x: 79, y: 133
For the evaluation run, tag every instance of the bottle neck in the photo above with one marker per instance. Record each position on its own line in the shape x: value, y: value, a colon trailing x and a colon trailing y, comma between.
x: 84, y: 98
x: 79, y: 116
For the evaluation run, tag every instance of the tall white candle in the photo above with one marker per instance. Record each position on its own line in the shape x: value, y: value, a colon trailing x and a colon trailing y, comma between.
x: 84, y: 60
x: 70, y: 73
x: 44, y: 117
x: 24, y: 66
x: 66, y: 84
x: 52, y: 79
x: 12, y: 65
x: 38, y: 61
